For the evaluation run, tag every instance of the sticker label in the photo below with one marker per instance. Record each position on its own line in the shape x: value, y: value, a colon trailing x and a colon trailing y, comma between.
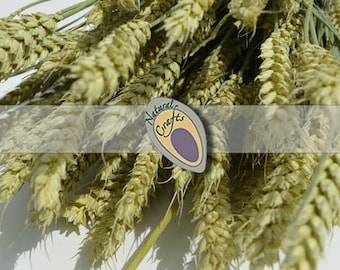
x: 177, y: 132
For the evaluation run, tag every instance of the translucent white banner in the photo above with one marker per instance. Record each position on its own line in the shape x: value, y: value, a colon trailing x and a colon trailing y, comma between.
x: 111, y: 129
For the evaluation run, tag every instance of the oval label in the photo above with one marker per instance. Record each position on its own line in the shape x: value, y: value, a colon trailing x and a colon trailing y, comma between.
x: 177, y: 132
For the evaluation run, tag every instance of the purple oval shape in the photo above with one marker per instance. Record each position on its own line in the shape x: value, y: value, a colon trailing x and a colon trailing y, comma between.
x: 185, y: 144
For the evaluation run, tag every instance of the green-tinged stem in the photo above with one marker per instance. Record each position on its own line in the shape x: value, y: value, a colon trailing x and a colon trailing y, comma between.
x: 72, y: 22
x: 212, y: 35
x: 152, y: 238
x: 312, y: 32
x: 69, y: 11
x: 308, y: 17
x: 320, y: 14
x: 27, y: 7
x: 247, y: 59
x: 160, y: 19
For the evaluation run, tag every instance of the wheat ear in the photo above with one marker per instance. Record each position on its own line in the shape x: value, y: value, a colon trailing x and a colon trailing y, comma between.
x: 213, y: 217
x: 288, y: 177
x: 135, y: 196
x: 51, y: 69
x: 246, y: 12
x: 99, y: 72
x: 139, y: 91
x: 49, y: 170
x: 27, y: 40
x: 184, y: 19
x: 98, y: 201
x: 202, y: 91
x: 15, y: 175
x: 318, y: 75
x: 103, y: 9
x: 333, y: 8
x: 305, y: 241
x: 289, y: 7
x: 276, y: 73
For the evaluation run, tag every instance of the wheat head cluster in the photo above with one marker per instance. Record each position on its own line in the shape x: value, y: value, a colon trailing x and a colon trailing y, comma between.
x: 264, y: 208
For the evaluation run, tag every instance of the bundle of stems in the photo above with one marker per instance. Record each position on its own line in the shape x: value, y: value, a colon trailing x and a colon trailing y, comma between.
x: 201, y: 52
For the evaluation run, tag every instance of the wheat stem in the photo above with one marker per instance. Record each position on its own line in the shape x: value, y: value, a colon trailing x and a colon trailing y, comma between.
x: 152, y: 238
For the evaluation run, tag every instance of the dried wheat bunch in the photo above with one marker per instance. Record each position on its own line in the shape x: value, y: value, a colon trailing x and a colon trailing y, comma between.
x: 246, y: 207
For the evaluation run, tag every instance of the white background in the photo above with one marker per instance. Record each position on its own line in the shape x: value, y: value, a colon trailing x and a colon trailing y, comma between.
x: 24, y: 247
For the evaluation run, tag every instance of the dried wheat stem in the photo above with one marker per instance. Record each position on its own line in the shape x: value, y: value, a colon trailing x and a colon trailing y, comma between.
x: 152, y: 238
